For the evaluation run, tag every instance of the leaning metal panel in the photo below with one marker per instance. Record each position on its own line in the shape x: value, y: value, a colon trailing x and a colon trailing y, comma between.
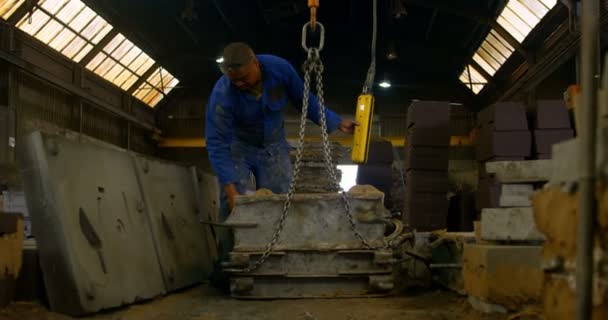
x: 314, y: 222
x: 89, y: 218
x: 306, y: 287
x: 312, y: 263
x: 173, y: 205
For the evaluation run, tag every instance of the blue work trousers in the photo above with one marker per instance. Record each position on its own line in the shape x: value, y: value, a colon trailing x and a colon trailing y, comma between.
x: 271, y: 168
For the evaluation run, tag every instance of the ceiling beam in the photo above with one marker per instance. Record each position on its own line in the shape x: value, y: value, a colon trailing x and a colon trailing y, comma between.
x: 481, y: 70
x: 475, y: 15
x: 449, y: 7
x: 98, y: 47
x: 430, y: 27
x: 144, y: 77
x: 513, y: 42
x: 73, y: 89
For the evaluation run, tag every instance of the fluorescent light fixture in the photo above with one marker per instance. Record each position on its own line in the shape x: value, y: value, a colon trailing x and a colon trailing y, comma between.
x: 385, y: 84
x: 219, y: 60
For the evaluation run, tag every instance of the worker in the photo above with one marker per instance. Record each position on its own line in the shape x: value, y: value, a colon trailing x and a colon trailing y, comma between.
x: 245, y: 130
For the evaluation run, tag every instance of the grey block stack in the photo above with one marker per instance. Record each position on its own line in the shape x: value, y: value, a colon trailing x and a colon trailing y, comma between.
x: 507, y: 237
x: 503, y: 136
x: 512, y: 218
x: 426, y: 165
x: 552, y: 126
x: 317, y: 254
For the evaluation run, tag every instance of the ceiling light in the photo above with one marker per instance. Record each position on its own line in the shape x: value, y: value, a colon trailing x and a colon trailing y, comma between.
x: 398, y: 9
x: 385, y: 84
x: 391, y: 53
x: 219, y: 60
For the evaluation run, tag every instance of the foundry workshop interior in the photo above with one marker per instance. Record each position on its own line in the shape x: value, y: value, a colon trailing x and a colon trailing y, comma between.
x: 303, y: 159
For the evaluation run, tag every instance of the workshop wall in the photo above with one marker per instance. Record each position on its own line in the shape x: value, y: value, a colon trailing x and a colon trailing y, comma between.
x: 28, y: 103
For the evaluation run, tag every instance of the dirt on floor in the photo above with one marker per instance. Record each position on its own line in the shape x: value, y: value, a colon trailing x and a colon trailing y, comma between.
x: 204, y: 303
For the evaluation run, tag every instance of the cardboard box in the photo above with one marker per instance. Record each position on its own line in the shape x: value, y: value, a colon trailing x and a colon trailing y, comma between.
x: 492, y: 143
x: 552, y: 114
x: 545, y: 139
x: 504, y: 116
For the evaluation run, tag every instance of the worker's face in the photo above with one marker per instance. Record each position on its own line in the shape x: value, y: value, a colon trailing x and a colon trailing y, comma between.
x: 246, y: 77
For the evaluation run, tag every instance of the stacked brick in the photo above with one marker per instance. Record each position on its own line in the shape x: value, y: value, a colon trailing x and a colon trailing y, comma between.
x: 426, y: 165
x: 503, y: 136
x: 552, y: 126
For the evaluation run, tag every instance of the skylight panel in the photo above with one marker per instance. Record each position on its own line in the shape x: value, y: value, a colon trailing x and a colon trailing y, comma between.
x: 519, y: 17
x: 82, y: 19
x: 68, y: 26
x: 8, y: 7
x: 154, y: 89
x: 32, y: 24
x: 72, y: 28
x: 473, y: 79
x: 120, y: 62
x: 493, y: 53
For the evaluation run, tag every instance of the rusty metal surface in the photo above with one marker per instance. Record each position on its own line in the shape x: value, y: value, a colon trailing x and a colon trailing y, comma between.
x: 172, y: 205
x: 96, y: 249
x: 314, y: 222
x: 301, y: 263
x: 112, y: 227
x: 318, y: 254
x: 310, y: 287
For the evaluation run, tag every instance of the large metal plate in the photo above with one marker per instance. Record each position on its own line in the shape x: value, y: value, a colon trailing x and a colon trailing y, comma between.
x: 173, y: 205
x: 89, y: 218
x: 314, y: 222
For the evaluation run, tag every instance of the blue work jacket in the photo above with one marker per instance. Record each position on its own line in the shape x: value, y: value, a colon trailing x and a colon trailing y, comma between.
x: 235, y: 116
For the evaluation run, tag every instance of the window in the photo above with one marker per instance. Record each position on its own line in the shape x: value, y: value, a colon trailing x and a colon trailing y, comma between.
x: 74, y: 29
x: 68, y: 26
x: 492, y: 53
x: 159, y: 84
x: 8, y: 7
x: 519, y: 17
x: 473, y: 79
x: 349, y: 176
x: 121, y: 62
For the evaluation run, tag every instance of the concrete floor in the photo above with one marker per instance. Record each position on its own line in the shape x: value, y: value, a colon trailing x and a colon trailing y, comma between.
x: 204, y: 303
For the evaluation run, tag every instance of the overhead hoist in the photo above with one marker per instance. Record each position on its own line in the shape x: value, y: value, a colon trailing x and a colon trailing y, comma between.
x: 365, y: 102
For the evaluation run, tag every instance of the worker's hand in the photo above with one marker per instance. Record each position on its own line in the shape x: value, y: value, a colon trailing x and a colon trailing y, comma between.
x: 230, y: 190
x: 348, y: 126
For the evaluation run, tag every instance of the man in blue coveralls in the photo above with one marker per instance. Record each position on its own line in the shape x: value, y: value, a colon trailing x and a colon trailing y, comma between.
x: 245, y: 129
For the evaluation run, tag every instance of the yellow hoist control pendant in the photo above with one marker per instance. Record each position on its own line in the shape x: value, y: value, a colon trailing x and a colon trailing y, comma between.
x: 363, y: 132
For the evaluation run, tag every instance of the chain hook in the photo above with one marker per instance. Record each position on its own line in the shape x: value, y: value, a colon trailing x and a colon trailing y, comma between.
x: 313, y: 5
x: 305, y: 35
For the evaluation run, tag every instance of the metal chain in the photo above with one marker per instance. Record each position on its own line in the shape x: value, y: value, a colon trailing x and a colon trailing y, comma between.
x: 308, y: 65
x: 313, y: 64
x: 329, y: 162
